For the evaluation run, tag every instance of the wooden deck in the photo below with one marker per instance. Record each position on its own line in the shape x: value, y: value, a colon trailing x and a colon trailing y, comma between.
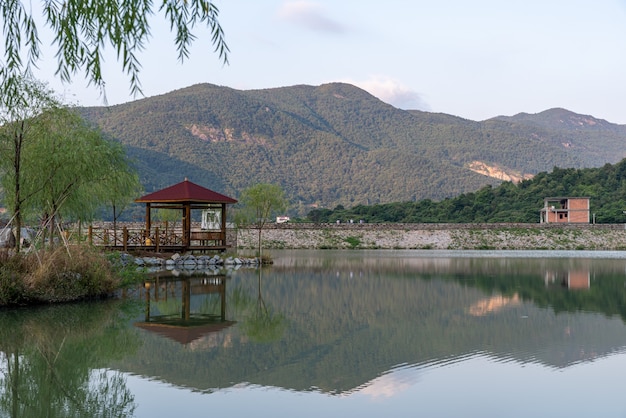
x: 158, y: 239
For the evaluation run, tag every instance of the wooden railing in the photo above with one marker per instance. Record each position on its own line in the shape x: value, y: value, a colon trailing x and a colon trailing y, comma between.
x: 155, y: 239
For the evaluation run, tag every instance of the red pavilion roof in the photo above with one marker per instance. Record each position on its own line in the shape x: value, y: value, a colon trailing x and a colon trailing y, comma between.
x: 186, y: 191
x: 184, y: 334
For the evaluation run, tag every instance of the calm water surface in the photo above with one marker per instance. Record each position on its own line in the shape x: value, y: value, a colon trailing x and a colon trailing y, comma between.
x: 335, y: 334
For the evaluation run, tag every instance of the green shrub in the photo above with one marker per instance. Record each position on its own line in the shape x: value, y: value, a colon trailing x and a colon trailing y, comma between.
x: 11, y: 291
x: 353, y: 242
x: 65, y: 274
x: 58, y: 274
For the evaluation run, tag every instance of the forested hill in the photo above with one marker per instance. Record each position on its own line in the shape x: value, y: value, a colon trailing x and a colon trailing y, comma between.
x: 337, y: 144
x: 604, y: 186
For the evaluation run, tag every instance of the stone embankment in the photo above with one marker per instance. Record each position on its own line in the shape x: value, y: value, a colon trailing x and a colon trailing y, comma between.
x: 438, y: 236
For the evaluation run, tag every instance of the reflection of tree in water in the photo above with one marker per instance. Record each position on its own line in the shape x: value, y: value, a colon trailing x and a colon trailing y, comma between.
x: 210, y: 305
x: 261, y: 323
x: 54, y: 361
x: 167, y: 301
x: 169, y: 306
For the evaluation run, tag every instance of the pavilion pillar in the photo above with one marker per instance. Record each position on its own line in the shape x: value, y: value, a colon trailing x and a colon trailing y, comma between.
x: 148, y: 220
x: 223, y: 226
x: 187, y: 224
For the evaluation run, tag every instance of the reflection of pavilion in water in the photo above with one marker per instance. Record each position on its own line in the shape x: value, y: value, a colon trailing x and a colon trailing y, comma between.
x: 570, y: 279
x: 169, y: 313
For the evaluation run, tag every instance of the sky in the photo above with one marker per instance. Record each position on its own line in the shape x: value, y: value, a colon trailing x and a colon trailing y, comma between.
x: 474, y: 59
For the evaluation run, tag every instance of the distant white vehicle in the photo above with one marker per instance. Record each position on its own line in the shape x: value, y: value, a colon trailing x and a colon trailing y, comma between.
x: 282, y: 219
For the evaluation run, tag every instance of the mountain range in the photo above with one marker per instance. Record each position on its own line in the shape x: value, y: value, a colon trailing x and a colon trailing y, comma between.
x: 337, y: 144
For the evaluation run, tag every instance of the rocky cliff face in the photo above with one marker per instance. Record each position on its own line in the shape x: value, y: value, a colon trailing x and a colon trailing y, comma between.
x: 499, y: 173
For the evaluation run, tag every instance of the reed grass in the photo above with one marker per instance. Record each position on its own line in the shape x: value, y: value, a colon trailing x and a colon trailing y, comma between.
x: 59, y: 274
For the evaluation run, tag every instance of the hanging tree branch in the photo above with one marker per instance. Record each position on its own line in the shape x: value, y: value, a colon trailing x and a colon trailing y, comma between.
x: 83, y: 28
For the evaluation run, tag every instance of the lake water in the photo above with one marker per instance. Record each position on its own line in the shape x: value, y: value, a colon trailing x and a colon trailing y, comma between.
x: 335, y: 334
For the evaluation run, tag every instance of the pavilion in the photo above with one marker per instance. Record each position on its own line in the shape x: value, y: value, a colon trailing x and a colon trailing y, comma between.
x: 187, y: 197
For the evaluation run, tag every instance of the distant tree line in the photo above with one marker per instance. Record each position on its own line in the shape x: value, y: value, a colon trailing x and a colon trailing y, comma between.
x: 508, y: 202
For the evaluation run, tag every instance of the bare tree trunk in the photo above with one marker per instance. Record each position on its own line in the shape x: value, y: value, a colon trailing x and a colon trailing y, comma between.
x: 260, y: 255
x: 17, y: 160
x: 114, y: 226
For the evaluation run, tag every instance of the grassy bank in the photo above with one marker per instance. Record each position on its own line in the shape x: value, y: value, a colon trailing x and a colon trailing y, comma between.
x: 61, y: 274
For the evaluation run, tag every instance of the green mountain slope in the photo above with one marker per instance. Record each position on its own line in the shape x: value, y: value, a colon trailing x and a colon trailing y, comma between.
x: 605, y: 186
x: 336, y: 144
x: 597, y: 140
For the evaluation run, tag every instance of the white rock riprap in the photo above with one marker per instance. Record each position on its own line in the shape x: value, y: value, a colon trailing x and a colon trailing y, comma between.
x: 191, y: 262
x: 438, y: 236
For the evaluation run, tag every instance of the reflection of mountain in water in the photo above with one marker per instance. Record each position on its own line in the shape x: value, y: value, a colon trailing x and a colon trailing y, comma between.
x: 352, y: 320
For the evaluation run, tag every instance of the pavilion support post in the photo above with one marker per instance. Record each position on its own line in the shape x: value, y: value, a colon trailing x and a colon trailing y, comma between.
x: 187, y: 225
x: 223, y: 232
x: 148, y: 220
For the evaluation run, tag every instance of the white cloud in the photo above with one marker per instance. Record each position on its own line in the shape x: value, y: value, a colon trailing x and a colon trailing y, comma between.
x: 392, y: 383
x: 393, y: 92
x: 310, y: 15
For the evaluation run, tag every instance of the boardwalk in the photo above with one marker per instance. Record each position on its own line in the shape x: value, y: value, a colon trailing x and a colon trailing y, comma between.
x: 160, y: 238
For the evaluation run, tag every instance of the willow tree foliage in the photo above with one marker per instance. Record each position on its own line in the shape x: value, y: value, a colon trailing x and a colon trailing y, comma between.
x: 81, y: 171
x: 18, y: 133
x: 53, y: 165
x: 83, y: 29
x: 259, y: 203
x: 119, y: 187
